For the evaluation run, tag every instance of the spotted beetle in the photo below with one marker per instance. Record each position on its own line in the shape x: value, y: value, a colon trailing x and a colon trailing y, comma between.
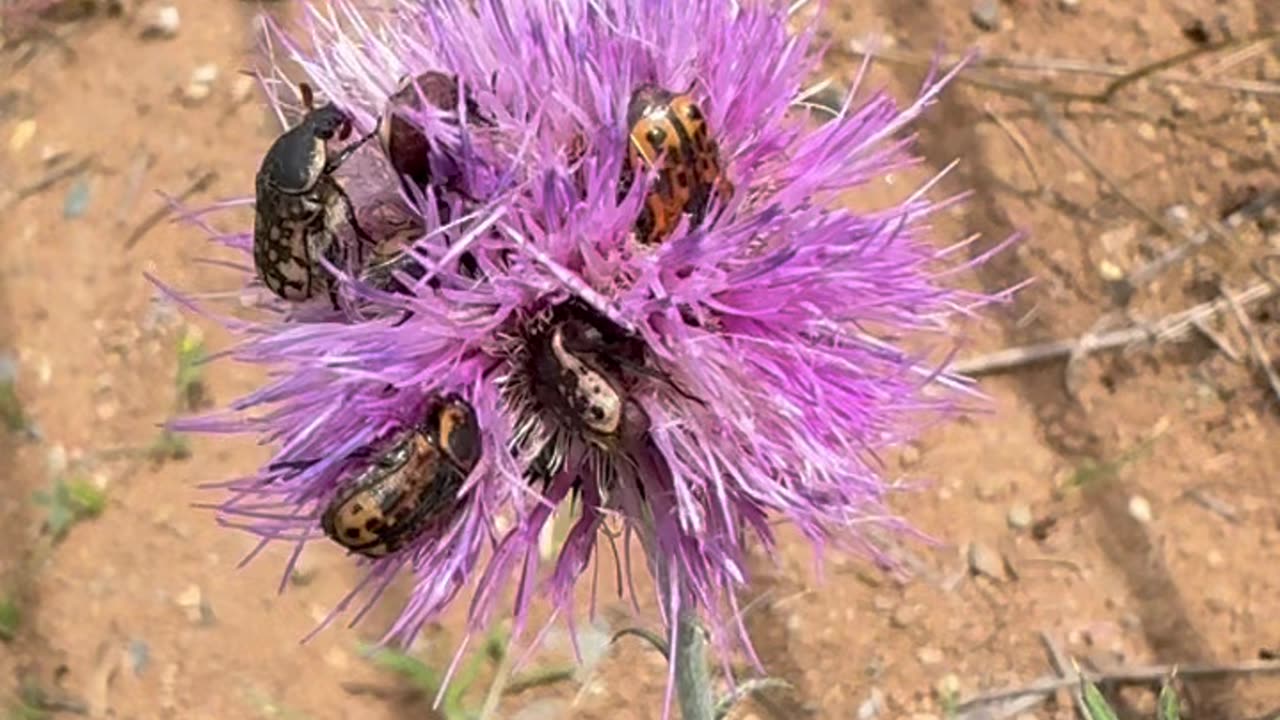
x: 300, y: 204
x: 670, y: 127
x: 411, y: 485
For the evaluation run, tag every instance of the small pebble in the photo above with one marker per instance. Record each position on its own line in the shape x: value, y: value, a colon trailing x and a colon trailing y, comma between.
x: 1215, y: 559
x: 77, y: 200
x: 23, y: 132
x: 872, y: 706
x: 160, y: 21
x: 139, y: 656
x: 194, y: 606
x: 985, y: 14
x: 929, y: 655
x: 1020, y: 517
x: 905, y: 616
x: 56, y: 460
x: 985, y: 561
x: 200, y: 85
x: 1110, y: 271
x: 948, y: 686
x: 242, y: 88
x: 1070, y: 6
x: 1140, y: 509
x: 106, y: 411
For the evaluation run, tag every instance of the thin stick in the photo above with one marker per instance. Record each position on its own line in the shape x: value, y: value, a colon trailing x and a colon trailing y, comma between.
x: 1064, y: 669
x: 1019, y: 141
x: 1218, y: 341
x: 1133, y: 675
x: 1249, y: 211
x: 1256, y: 348
x: 201, y: 184
x: 50, y: 179
x: 1171, y: 327
x: 1213, y: 505
x: 1152, y: 68
x: 1054, y: 123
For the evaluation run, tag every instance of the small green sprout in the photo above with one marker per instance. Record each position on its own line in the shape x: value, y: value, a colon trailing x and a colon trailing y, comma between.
x: 69, y: 501
x: 10, y: 618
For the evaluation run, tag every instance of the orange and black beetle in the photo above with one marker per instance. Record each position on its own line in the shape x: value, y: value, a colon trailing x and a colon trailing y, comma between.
x: 670, y: 127
x: 411, y: 485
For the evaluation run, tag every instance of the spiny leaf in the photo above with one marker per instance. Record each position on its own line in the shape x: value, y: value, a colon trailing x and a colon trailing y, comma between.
x: 1094, y: 702
x: 1168, y: 703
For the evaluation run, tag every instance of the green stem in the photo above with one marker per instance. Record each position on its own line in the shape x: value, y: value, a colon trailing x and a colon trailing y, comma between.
x: 693, y: 676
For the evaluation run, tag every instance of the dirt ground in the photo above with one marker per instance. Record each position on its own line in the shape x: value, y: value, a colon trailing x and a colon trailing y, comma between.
x: 1123, y: 507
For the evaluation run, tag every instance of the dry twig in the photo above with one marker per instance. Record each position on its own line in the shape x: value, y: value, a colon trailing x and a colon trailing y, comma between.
x: 1256, y: 348
x: 1132, y: 675
x: 1171, y: 327
x: 1251, y: 210
x: 1218, y: 507
x: 202, y: 183
x: 1064, y: 669
x: 51, y: 178
x: 1054, y: 123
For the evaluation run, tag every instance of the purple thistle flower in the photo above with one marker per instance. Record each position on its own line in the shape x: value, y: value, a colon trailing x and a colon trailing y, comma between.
x: 753, y: 354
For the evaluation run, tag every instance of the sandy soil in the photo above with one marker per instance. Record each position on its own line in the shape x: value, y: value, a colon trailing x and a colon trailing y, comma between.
x: 1125, y: 507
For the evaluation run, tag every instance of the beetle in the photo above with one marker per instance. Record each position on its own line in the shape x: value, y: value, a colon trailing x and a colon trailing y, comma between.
x: 410, y: 486
x: 299, y: 204
x: 404, y: 142
x: 582, y: 369
x: 670, y: 127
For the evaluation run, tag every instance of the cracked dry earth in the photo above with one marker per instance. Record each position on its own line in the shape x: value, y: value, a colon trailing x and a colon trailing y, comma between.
x: 1125, y: 509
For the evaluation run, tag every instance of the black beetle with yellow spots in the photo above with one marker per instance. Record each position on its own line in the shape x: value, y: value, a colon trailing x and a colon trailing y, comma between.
x: 300, y: 205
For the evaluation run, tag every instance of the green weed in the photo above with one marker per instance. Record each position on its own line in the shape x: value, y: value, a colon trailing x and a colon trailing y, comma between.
x: 69, y: 501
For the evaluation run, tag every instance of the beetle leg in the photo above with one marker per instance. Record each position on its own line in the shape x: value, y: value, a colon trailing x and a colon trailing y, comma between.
x: 350, y: 209
x: 336, y: 161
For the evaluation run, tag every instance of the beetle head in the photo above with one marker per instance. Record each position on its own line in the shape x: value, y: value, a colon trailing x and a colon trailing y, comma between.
x: 327, y: 121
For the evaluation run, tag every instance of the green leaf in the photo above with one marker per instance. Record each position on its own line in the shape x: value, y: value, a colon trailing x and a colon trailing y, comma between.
x: 1168, y: 703
x: 191, y: 354
x: 169, y: 446
x: 10, y: 618
x: 11, y: 413
x: 1094, y: 702
x: 85, y: 498
x: 418, y: 673
x: 69, y: 501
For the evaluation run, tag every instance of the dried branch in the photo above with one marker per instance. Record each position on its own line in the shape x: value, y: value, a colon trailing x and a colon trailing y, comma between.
x: 1133, y: 675
x: 1169, y: 328
x: 1256, y: 348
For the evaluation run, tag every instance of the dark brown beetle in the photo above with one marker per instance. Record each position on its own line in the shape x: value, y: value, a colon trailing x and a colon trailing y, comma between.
x: 410, y: 486
x: 300, y: 204
x: 407, y: 146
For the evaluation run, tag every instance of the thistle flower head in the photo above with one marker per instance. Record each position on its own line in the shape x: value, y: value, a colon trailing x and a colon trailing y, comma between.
x: 621, y: 241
